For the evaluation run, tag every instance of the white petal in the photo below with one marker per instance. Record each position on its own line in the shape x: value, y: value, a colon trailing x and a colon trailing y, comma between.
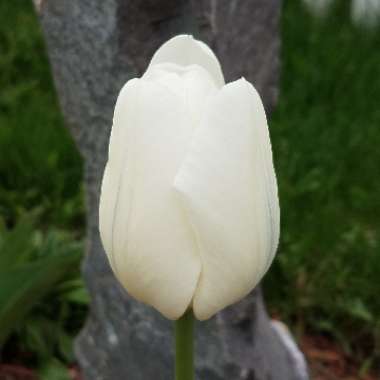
x: 153, y: 249
x: 228, y: 186
x: 184, y: 50
x: 116, y: 155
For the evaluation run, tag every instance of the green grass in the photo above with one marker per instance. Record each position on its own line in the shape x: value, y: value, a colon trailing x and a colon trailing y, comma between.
x: 326, y: 139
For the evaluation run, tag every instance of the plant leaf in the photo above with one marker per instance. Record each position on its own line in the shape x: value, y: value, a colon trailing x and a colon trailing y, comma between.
x: 23, y: 287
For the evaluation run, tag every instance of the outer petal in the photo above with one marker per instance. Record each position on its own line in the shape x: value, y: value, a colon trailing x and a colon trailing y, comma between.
x: 184, y: 50
x: 150, y: 244
x: 124, y: 109
x: 228, y: 187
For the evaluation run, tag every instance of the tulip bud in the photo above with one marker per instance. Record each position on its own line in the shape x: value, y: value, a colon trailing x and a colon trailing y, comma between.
x: 189, y: 213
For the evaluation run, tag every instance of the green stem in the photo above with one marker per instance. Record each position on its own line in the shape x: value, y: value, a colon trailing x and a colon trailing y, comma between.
x: 184, y: 347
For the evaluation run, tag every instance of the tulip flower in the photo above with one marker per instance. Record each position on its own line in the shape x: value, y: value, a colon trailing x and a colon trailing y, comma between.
x: 189, y: 213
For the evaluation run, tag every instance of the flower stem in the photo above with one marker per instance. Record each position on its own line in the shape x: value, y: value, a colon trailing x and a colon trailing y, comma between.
x: 184, y: 343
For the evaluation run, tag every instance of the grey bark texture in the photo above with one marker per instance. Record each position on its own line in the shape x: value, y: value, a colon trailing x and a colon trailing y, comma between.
x: 94, y: 48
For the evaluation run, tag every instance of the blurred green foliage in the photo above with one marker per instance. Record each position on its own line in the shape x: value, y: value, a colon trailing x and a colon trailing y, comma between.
x: 30, y: 268
x: 39, y: 166
x: 43, y: 303
x: 326, y: 139
x: 42, y: 298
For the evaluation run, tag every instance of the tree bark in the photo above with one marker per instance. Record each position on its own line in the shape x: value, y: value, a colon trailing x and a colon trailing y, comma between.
x: 94, y: 48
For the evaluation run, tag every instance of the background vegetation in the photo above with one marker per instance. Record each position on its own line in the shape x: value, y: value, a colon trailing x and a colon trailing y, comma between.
x: 42, y: 298
x: 326, y: 139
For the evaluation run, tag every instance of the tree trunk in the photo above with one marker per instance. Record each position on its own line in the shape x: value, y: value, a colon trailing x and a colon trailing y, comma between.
x: 94, y: 48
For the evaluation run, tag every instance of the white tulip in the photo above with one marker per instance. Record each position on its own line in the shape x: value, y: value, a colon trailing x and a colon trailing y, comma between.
x: 189, y: 213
